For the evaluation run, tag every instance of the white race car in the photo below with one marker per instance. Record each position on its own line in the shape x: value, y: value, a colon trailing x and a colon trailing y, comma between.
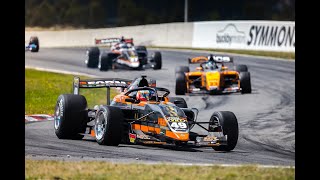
x: 122, y: 54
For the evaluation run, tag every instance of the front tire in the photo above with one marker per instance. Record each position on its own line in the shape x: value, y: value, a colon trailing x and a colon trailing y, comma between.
x: 106, y: 61
x: 157, y: 58
x: 183, y: 69
x: 108, y: 126
x: 230, y: 128
x: 245, y: 82
x: 181, y: 86
x: 92, y: 57
x: 241, y: 68
x: 70, y: 116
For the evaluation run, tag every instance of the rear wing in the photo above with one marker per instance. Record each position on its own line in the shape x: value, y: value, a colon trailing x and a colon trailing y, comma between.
x: 100, y: 83
x: 110, y: 41
x: 216, y: 58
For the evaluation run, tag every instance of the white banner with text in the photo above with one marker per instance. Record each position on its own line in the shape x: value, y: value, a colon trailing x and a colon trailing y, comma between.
x: 247, y: 35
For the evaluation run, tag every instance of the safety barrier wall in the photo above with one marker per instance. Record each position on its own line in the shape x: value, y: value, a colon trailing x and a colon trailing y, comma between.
x: 250, y: 35
x: 170, y: 34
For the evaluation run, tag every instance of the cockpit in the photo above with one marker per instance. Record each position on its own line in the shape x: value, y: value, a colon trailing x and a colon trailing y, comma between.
x: 129, y: 53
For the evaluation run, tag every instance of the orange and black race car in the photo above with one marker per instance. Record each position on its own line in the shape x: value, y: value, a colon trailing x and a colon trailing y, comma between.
x: 141, y: 114
x: 215, y: 74
x: 122, y: 55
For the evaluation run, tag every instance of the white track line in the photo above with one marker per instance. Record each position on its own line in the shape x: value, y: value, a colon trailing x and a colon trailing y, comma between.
x: 226, y: 53
x: 206, y: 164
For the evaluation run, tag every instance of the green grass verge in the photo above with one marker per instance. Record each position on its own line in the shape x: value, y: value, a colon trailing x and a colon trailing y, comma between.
x: 43, y: 88
x: 285, y: 55
x: 49, y: 169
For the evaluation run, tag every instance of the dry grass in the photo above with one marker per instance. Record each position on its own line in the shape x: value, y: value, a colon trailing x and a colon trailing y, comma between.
x: 53, y: 28
x: 48, y: 169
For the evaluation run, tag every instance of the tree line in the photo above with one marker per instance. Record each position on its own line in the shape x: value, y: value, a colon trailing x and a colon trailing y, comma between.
x: 112, y: 13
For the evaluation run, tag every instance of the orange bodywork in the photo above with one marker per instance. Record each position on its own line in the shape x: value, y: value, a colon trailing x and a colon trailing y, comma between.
x: 209, y: 79
x: 180, y: 136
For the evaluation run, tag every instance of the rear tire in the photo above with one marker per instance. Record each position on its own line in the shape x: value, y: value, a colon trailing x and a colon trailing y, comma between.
x: 157, y: 58
x: 245, y: 82
x: 181, y: 86
x: 108, y: 126
x: 183, y: 104
x: 70, y: 116
x: 141, y: 48
x: 230, y: 128
x: 92, y: 57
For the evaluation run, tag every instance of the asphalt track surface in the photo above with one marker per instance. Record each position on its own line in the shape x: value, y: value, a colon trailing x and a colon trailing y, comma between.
x: 266, y: 116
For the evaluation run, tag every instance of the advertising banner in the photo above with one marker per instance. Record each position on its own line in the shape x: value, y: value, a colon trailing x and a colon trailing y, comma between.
x: 247, y: 35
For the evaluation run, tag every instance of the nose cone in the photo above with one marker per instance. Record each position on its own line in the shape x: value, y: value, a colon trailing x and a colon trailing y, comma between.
x: 178, y: 135
x: 134, y: 61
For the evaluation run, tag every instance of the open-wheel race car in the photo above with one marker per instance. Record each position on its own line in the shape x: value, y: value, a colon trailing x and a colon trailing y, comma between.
x: 121, y: 55
x: 33, y: 44
x: 141, y: 113
x: 214, y: 75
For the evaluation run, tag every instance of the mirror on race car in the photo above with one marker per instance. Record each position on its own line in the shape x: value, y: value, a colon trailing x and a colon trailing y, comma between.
x: 131, y: 100
x: 178, y: 102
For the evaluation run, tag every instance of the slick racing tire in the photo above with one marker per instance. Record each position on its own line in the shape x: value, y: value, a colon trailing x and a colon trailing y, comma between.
x: 230, y: 128
x: 141, y: 48
x: 143, y: 56
x: 182, y: 69
x: 70, y: 116
x: 106, y: 61
x: 245, y: 82
x: 157, y: 58
x: 241, y: 68
x: 180, y: 102
x: 92, y: 57
x: 108, y: 126
x: 181, y: 86
x: 34, y: 40
x: 103, y: 64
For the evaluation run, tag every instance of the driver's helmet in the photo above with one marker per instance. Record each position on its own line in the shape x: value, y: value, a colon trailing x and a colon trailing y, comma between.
x: 210, y: 58
x: 211, y: 64
x: 122, y: 39
x: 144, y: 95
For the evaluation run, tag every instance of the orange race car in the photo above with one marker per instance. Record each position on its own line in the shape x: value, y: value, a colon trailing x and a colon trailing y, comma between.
x: 141, y: 114
x: 216, y: 75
